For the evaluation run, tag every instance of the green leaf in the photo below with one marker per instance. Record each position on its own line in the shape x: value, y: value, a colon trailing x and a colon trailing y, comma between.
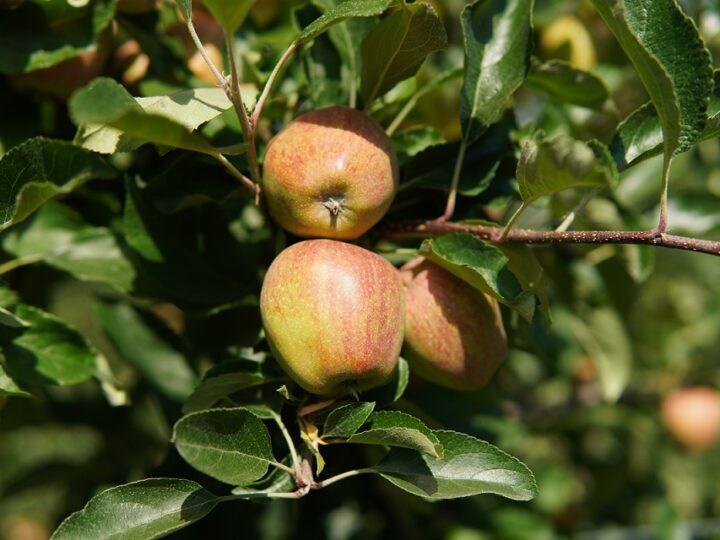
x: 140, y: 510
x: 482, y: 265
x: 498, y: 40
x: 671, y: 60
x: 105, y: 102
x: 225, y: 379
x: 49, y: 351
x: 345, y: 10
x: 164, y: 367
x: 395, y: 48
x: 231, y: 445
x: 637, y: 137
x: 229, y: 13
x: 395, y: 428
x: 564, y: 83
x: 412, y: 141
x: 392, y: 390
x: 64, y: 241
x: 550, y: 165
x: 468, y: 467
x: 38, y: 170
x: 8, y: 318
x: 185, y: 8
x: 189, y: 108
x: 603, y: 336
x: 37, y: 35
x: 8, y: 387
x: 345, y: 420
x: 32, y: 448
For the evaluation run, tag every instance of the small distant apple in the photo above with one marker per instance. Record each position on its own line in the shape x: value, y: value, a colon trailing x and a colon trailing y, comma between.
x: 454, y: 334
x: 332, y: 173
x: 692, y: 416
x: 333, y: 315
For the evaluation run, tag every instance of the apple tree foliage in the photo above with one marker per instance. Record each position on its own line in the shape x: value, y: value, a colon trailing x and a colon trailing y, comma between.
x: 550, y: 153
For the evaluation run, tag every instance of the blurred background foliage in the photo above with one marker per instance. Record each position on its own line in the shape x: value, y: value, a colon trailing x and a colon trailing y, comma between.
x: 581, y: 405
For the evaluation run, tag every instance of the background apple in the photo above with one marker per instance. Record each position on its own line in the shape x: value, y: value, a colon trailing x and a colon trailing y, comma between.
x: 454, y: 335
x: 331, y: 173
x: 692, y: 416
x: 333, y: 315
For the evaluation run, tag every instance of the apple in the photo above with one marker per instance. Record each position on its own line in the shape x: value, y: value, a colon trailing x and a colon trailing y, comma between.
x: 333, y: 315
x: 692, y: 416
x: 331, y: 173
x: 454, y: 334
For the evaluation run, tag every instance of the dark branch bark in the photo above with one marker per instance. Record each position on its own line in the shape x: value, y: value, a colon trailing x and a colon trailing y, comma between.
x: 418, y: 229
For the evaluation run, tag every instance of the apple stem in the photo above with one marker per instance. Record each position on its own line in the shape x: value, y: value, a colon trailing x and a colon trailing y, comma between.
x: 662, y: 223
x: 341, y: 476
x: 222, y: 82
x: 452, y: 196
x: 257, y: 111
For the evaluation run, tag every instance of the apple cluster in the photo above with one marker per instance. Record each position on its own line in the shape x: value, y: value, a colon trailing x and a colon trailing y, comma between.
x: 336, y: 315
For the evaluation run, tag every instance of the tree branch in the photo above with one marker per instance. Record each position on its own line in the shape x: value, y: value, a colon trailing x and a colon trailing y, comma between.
x: 419, y: 229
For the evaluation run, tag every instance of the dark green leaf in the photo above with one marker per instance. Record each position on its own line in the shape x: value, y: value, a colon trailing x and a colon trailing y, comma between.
x: 50, y: 351
x: 344, y: 10
x: 40, y: 34
x: 185, y: 7
x: 637, y: 137
x: 671, y: 60
x: 141, y: 510
x: 412, y: 141
x: 164, y: 367
x: 31, y: 448
x: 564, y: 83
x: 395, y: 48
x: 482, y: 265
x: 498, y: 40
x: 232, y: 445
x: 64, y: 241
x: 395, y: 428
x: 229, y: 13
x: 223, y: 380
x: 393, y: 390
x: 39, y: 169
x: 107, y: 103
x: 468, y: 467
x: 550, y: 165
x: 8, y: 387
x: 347, y: 419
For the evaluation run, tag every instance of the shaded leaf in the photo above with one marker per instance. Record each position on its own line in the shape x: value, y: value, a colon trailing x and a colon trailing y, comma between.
x: 412, y: 141
x: 37, y: 35
x: 8, y: 387
x: 567, y: 84
x: 231, y: 445
x: 229, y: 13
x: 49, y: 351
x: 637, y: 137
x: 345, y: 420
x: 482, y: 265
x: 392, y: 390
x: 141, y: 510
x: 397, y: 46
x: 164, y: 367
x: 497, y: 39
x: 395, y: 428
x: 38, y: 170
x: 468, y: 467
x: 671, y: 60
x: 550, y: 165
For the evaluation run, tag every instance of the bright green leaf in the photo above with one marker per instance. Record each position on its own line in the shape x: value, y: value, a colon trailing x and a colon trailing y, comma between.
x: 395, y: 428
x: 232, y: 445
x: 141, y: 510
x: 468, y: 467
x: 482, y: 265
x: 344, y: 10
x: 346, y: 419
x: 397, y: 46
x: 498, y: 41
x: 229, y: 13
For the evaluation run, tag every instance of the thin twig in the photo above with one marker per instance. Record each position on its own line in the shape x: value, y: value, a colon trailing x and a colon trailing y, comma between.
x: 248, y: 127
x: 452, y: 196
x: 236, y: 173
x: 291, y: 446
x: 12, y: 264
x: 565, y: 225
x: 662, y: 222
x: 282, y: 467
x: 341, y: 476
x: 222, y: 82
x: 260, y: 104
x: 420, y: 229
